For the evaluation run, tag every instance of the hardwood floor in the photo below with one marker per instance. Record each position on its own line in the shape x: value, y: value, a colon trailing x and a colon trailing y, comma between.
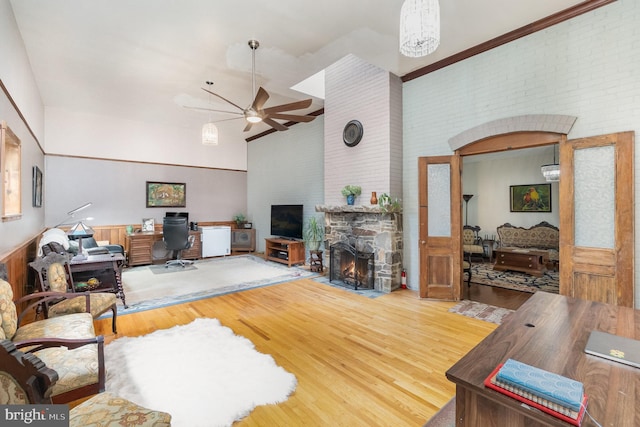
x: 500, y: 297
x: 358, y: 361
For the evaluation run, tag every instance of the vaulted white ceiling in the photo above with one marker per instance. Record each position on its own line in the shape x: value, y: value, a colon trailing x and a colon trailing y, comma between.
x: 146, y: 59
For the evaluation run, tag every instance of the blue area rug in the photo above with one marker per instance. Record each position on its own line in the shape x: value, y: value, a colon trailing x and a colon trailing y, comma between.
x: 145, y: 290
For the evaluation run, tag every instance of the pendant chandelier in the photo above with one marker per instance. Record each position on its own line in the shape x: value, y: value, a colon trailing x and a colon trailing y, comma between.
x: 551, y: 172
x: 210, y: 134
x: 209, y: 130
x: 419, y: 27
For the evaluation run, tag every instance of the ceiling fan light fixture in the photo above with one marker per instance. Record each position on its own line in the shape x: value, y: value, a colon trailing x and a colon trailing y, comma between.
x: 252, y: 116
x: 210, y: 134
x: 419, y: 27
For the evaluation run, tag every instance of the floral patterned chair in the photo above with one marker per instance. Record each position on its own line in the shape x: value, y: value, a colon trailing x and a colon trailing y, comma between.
x: 472, y: 242
x: 67, y: 344
x: 25, y: 379
x: 54, y: 275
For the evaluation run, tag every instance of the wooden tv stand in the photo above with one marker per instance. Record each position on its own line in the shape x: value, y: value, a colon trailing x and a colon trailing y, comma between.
x: 284, y: 251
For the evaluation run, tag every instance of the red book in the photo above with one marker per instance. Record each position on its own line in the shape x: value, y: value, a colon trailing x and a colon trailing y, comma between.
x: 490, y: 382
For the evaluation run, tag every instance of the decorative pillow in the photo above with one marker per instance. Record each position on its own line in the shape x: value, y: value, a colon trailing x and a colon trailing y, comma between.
x: 57, y: 277
x: 8, y: 313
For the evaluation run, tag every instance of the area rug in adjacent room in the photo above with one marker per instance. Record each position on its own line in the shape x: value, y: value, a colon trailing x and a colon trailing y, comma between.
x: 484, y: 274
x: 201, y: 373
x: 478, y: 310
x: 145, y: 289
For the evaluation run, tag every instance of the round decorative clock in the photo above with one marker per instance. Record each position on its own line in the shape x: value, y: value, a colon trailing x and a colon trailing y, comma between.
x: 352, y: 133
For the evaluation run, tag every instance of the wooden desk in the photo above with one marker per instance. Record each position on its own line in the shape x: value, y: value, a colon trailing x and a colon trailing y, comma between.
x: 550, y: 332
x: 148, y: 248
x: 106, y: 268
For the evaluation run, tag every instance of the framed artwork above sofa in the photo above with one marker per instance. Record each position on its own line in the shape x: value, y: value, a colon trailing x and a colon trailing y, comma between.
x: 530, y: 198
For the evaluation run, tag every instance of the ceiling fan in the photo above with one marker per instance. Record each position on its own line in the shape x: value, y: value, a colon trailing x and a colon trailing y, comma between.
x: 255, y: 113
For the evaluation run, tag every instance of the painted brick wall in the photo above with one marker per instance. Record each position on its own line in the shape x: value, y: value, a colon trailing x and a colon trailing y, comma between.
x: 357, y: 90
x: 585, y: 67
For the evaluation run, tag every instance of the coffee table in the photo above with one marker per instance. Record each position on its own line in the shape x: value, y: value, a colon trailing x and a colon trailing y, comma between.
x: 528, y: 261
x: 106, y: 268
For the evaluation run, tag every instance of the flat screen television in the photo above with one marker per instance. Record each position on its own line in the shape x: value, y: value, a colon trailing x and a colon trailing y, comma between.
x: 286, y: 221
x: 178, y: 214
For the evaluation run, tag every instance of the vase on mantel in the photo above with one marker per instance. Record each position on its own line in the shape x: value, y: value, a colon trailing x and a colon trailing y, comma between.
x: 351, y: 199
x: 374, y: 198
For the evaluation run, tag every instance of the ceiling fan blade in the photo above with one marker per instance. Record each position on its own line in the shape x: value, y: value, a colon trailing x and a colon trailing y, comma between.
x: 292, y: 117
x: 261, y: 98
x: 274, y: 124
x: 211, y: 109
x: 223, y: 98
x: 305, y: 103
x: 247, y: 128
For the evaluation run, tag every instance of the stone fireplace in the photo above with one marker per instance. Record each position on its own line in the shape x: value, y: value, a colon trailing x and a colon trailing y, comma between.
x: 368, y: 229
x: 351, y: 264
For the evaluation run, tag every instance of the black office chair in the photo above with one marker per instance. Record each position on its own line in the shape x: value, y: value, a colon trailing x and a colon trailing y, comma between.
x: 175, y: 234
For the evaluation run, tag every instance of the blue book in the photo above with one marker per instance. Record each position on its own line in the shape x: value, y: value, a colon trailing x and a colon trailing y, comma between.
x: 544, y: 384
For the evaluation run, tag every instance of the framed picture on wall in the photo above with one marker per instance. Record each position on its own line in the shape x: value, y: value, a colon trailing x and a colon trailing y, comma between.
x: 530, y: 198
x: 166, y: 194
x: 37, y: 187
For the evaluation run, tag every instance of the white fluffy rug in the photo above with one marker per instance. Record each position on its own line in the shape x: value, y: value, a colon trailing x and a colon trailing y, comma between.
x: 201, y: 373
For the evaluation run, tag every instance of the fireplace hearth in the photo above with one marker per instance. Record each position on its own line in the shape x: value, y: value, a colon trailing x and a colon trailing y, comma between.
x: 350, y: 267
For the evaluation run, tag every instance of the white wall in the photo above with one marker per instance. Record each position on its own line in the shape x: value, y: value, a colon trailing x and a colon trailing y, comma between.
x: 118, y: 191
x: 585, y: 67
x: 89, y: 135
x: 16, y: 77
x: 356, y: 90
x: 285, y: 168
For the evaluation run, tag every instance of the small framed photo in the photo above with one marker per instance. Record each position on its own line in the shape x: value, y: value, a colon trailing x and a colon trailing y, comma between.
x: 247, y: 225
x: 148, y: 224
x: 530, y: 198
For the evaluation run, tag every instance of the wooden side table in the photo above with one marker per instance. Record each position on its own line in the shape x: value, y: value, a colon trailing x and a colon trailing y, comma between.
x: 315, y: 261
x: 106, y: 268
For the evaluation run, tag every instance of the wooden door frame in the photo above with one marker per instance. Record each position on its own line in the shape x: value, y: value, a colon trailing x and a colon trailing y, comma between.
x: 494, y: 144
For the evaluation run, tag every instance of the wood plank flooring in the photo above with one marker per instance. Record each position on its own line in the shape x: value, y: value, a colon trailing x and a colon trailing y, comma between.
x: 358, y: 361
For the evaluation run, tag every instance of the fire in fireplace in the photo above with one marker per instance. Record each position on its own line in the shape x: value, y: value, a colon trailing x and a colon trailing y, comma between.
x: 350, y: 267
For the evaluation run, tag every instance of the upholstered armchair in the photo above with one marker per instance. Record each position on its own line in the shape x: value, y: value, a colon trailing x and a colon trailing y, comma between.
x: 67, y: 344
x: 472, y: 242
x: 27, y: 380
x: 54, y: 275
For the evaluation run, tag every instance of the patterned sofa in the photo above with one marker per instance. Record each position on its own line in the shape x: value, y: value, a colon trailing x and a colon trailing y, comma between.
x: 542, y: 236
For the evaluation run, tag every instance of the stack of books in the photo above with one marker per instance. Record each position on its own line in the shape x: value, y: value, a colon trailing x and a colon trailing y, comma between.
x: 554, y: 394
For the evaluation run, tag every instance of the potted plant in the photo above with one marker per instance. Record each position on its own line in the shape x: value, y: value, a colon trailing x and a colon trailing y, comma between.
x: 351, y: 192
x: 240, y: 219
x: 313, y: 234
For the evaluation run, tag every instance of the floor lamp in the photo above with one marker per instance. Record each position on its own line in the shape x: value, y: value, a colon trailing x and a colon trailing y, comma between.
x: 466, y: 198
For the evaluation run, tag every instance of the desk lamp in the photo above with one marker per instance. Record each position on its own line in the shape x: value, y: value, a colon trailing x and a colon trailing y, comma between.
x: 79, y: 231
x: 72, y: 212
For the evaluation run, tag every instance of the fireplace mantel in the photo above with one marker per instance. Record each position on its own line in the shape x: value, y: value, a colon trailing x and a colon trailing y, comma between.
x: 375, y: 209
